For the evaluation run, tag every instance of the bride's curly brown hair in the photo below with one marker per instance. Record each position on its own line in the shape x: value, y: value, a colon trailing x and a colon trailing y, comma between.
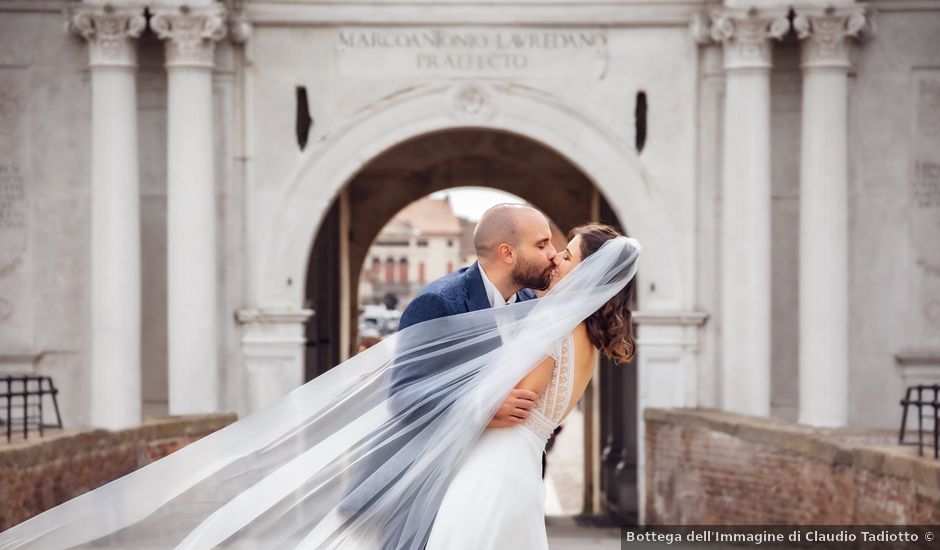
x: 610, y: 328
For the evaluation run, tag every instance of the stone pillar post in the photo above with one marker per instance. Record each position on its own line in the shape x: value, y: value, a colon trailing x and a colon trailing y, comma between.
x: 745, y: 232
x: 824, y: 368
x: 190, y: 35
x: 115, y: 213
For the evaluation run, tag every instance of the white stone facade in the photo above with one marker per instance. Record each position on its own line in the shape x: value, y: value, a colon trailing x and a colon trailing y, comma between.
x: 787, y: 191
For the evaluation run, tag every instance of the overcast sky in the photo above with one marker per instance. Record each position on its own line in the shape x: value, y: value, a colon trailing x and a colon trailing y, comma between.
x: 472, y: 202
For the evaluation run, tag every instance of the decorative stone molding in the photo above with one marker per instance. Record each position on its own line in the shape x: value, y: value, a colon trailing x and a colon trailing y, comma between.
x: 700, y: 29
x: 677, y: 318
x: 110, y: 32
x: 746, y: 36
x: 190, y: 33
x: 919, y: 367
x: 267, y: 316
x: 239, y: 28
x: 472, y: 102
x: 825, y: 33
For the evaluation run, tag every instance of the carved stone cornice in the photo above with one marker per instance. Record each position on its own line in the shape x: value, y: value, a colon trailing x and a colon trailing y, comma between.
x: 825, y: 33
x: 746, y: 35
x: 190, y: 33
x: 111, y: 33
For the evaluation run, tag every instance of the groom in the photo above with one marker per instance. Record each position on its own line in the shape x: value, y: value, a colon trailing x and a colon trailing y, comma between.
x: 514, y: 254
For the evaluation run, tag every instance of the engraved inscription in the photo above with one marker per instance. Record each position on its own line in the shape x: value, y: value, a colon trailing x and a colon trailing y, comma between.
x: 12, y: 217
x: 458, y: 52
x: 926, y: 185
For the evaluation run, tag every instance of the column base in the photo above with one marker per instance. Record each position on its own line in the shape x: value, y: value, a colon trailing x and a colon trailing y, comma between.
x: 273, y: 350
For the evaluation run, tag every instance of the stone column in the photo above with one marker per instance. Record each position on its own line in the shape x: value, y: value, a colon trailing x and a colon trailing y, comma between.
x: 745, y: 232
x: 115, y: 213
x: 193, y: 332
x: 824, y: 368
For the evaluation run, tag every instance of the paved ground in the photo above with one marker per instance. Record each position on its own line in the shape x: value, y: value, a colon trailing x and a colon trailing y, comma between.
x: 564, y: 475
x: 565, y: 534
x: 564, y: 488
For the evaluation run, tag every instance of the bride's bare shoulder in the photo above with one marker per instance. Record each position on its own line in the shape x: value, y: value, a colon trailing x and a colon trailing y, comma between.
x: 582, y: 342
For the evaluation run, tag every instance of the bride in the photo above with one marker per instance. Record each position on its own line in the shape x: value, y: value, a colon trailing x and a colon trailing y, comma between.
x: 496, y: 499
x: 381, y: 451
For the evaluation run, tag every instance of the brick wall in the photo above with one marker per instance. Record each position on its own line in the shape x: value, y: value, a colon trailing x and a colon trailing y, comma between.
x: 36, y: 475
x: 709, y: 467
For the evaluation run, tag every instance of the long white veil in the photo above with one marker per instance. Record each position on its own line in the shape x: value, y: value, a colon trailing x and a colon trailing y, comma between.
x: 359, y: 457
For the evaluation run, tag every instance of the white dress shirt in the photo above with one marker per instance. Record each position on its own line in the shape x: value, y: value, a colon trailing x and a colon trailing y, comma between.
x: 496, y: 298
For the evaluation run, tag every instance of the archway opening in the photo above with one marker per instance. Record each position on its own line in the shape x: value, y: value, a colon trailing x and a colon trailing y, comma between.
x: 343, y: 253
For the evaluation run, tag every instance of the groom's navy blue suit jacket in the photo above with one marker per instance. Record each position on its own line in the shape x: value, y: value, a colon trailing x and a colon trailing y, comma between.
x: 459, y: 292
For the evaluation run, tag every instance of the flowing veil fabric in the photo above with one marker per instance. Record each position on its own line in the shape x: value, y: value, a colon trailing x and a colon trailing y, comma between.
x: 359, y: 457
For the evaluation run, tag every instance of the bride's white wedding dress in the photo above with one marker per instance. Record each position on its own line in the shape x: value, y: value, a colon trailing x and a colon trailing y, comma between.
x: 497, y: 497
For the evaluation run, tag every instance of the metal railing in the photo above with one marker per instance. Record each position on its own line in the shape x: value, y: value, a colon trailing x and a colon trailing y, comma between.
x: 927, y: 397
x: 21, y: 404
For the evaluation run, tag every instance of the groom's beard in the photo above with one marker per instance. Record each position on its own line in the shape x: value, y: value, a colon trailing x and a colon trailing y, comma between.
x: 528, y: 275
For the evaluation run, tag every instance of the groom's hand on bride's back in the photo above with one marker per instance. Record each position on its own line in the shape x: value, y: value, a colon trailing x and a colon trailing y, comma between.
x: 515, y: 409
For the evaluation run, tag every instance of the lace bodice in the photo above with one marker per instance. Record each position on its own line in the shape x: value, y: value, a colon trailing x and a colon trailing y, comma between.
x: 551, y: 405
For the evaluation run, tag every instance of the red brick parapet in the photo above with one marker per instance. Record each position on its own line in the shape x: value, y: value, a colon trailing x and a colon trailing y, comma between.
x: 710, y: 467
x: 37, y: 474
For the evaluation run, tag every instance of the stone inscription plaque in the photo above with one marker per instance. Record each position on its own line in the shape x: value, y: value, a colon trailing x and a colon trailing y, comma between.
x: 925, y: 200
x: 468, y: 52
x: 15, y: 286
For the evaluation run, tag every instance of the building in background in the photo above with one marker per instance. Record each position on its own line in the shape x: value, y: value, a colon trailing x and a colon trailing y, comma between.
x: 420, y: 244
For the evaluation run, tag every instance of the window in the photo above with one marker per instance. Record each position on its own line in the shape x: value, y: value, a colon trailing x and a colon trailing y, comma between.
x: 422, y: 242
x: 421, y: 275
x: 403, y: 270
x: 450, y: 243
x: 390, y: 270
x: 640, y: 122
x: 302, y: 121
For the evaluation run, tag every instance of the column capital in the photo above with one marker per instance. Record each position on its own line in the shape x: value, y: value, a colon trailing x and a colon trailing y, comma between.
x: 239, y: 28
x: 746, y: 35
x: 190, y: 33
x: 111, y: 33
x: 825, y: 33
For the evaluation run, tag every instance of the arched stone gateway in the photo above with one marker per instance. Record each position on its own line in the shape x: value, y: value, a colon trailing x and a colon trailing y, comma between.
x: 610, y: 163
x: 606, y: 166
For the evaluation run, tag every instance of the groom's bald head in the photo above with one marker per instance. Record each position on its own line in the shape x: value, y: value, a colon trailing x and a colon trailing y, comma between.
x: 500, y: 224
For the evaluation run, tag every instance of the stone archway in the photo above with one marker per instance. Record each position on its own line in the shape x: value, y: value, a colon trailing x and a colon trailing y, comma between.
x: 286, y: 232
x: 417, y: 168
x: 284, y: 228
x: 471, y: 157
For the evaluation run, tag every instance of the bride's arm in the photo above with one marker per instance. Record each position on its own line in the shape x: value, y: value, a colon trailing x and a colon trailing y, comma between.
x: 535, y: 381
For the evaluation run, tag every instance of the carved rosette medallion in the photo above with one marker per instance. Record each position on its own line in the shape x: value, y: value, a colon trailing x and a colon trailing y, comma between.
x: 472, y: 102
x: 190, y: 34
x: 825, y: 35
x: 746, y: 36
x: 111, y: 33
